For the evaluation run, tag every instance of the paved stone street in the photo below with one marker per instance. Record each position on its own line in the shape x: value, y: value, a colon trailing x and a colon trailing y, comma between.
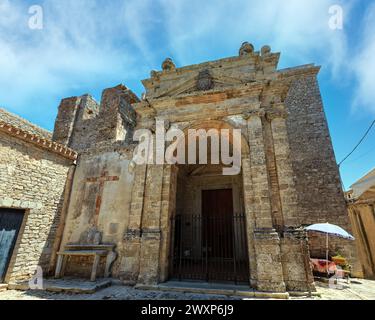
x: 358, y: 290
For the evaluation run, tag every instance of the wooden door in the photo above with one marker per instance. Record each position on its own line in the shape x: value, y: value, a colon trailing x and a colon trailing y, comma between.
x: 10, y: 224
x: 217, y: 215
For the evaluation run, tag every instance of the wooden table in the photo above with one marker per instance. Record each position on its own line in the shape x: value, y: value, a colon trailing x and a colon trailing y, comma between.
x: 97, y: 251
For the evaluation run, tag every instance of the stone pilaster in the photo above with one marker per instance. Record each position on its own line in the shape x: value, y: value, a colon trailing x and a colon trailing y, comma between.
x: 270, y: 275
x: 259, y: 175
x: 266, y: 241
x: 167, y: 211
x: 295, y: 260
x: 132, y: 240
x: 250, y: 218
x: 285, y: 175
x: 151, y: 232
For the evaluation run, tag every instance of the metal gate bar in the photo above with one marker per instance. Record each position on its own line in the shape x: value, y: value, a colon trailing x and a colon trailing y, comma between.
x: 210, y: 249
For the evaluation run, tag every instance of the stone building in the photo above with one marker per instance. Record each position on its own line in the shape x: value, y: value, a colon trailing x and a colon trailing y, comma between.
x: 361, y: 204
x: 189, y: 221
x: 34, y: 173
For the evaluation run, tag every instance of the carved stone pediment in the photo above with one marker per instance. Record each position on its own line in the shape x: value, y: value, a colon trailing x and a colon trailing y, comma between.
x: 222, y: 74
x: 202, y: 81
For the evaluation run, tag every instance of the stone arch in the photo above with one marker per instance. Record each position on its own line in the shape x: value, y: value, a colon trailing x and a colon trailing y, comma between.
x: 218, y: 125
x: 211, y: 182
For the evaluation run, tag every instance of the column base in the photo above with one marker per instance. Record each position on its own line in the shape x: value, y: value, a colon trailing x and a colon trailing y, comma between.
x: 295, y: 259
x: 270, y: 276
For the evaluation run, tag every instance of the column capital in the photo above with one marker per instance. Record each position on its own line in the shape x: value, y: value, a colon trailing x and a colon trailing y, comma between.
x: 266, y: 234
x: 132, y: 234
x: 259, y: 113
x: 269, y: 113
x: 272, y: 114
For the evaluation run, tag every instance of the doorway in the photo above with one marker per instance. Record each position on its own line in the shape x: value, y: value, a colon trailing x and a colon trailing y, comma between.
x: 10, y: 225
x: 211, y: 245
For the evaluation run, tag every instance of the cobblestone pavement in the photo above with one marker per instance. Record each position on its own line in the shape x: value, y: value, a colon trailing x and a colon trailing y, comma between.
x: 357, y: 290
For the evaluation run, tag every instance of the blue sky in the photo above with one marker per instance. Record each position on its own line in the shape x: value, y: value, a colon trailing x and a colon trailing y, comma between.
x: 87, y: 45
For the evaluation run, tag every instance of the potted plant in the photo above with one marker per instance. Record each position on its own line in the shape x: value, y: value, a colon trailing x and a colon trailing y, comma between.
x: 339, y: 260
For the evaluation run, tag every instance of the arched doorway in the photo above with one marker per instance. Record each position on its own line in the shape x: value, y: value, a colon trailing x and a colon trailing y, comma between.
x: 209, y: 236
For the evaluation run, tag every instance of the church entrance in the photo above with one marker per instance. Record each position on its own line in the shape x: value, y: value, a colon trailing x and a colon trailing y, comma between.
x: 209, y: 239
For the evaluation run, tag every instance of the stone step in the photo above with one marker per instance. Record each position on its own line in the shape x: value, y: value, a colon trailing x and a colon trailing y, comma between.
x: 3, y: 287
x: 220, y: 290
x: 76, y: 286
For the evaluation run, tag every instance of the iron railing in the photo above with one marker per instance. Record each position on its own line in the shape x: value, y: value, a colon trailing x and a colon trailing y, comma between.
x: 211, y: 249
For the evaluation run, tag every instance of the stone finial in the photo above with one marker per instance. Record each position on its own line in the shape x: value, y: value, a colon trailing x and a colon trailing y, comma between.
x: 246, y: 49
x: 168, y: 65
x: 154, y: 74
x: 265, y: 51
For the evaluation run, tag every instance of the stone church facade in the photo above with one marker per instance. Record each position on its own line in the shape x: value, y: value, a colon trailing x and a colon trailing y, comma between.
x: 156, y: 214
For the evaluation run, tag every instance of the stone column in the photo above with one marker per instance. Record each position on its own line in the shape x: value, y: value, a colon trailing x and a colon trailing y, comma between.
x: 285, y: 175
x: 266, y: 241
x: 151, y: 233
x: 258, y: 171
x: 129, y: 269
x: 168, y: 208
x: 250, y: 217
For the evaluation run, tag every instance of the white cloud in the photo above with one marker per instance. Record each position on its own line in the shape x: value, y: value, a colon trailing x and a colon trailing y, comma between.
x: 78, y: 47
x: 87, y: 43
x: 364, y: 65
x: 297, y: 28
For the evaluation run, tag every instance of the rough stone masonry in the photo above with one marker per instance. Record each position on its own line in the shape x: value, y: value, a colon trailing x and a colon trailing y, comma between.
x: 289, y: 176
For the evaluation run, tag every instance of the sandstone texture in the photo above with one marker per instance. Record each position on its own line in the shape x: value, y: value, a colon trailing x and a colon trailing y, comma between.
x: 288, y: 179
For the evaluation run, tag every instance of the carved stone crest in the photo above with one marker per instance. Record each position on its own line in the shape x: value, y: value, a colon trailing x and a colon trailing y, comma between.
x: 91, y: 236
x: 205, y: 81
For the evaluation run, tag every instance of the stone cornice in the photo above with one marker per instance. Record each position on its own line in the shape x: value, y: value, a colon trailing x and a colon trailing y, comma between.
x: 38, y: 141
x: 253, y: 59
x: 354, y: 203
x: 207, y: 97
x: 299, y: 71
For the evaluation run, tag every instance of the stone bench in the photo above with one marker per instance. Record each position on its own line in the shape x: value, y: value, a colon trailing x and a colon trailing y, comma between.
x: 96, y: 251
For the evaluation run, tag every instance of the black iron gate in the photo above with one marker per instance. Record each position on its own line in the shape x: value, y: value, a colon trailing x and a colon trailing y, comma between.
x: 210, y: 248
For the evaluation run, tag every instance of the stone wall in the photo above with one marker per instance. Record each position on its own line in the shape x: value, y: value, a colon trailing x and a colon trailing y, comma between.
x: 320, y: 195
x: 362, y: 216
x: 101, y: 195
x: 34, y: 180
x: 82, y: 123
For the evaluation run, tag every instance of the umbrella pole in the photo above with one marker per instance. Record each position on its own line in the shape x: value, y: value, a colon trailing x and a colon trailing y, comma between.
x: 327, y: 253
